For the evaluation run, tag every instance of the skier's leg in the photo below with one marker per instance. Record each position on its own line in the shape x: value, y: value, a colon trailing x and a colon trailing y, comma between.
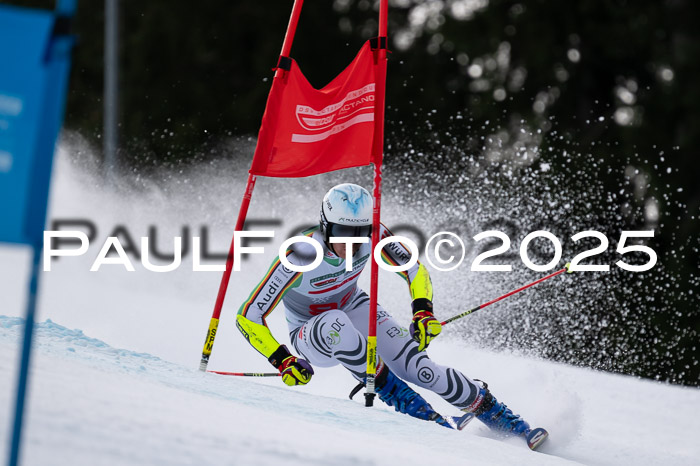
x: 400, y: 352
x: 329, y: 339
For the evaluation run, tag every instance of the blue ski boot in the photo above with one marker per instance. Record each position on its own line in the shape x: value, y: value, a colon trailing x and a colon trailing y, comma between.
x: 394, y: 392
x: 498, y: 417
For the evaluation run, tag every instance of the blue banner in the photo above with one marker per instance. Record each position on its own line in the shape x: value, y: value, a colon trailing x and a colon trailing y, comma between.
x: 35, y: 60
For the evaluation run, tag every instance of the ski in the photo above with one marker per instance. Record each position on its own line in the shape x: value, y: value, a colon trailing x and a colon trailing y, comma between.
x: 535, y: 437
x: 458, y: 422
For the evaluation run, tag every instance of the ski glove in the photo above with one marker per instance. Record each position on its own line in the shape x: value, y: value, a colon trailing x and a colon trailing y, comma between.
x: 295, y: 371
x: 425, y: 327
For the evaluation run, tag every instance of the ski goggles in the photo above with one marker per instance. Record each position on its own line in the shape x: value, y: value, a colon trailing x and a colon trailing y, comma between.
x: 351, y: 231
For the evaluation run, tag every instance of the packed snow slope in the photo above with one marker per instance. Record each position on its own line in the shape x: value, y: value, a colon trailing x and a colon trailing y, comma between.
x: 92, y: 403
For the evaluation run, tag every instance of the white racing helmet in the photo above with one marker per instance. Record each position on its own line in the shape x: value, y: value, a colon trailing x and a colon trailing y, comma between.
x: 346, y: 210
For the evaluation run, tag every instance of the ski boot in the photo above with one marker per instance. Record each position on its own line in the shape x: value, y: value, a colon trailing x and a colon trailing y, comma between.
x: 395, y: 392
x: 498, y: 417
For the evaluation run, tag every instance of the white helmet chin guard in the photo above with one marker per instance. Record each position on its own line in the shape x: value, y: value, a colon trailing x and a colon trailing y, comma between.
x: 346, y: 210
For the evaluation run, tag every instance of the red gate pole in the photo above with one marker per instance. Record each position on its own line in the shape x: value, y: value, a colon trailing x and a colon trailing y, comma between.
x: 377, y: 156
x: 243, y: 211
x: 291, y: 30
x: 223, y: 286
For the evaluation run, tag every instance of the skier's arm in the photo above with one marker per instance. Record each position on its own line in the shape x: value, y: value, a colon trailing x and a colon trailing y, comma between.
x: 417, y: 276
x: 261, y: 302
x: 251, y: 322
x: 424, y: 327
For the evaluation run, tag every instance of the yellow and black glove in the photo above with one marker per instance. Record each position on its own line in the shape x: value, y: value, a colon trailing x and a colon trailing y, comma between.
x: 295, y: 371
x: 425, y: 326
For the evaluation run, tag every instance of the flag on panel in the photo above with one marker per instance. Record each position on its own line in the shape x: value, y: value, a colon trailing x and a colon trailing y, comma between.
x: 307, y: 131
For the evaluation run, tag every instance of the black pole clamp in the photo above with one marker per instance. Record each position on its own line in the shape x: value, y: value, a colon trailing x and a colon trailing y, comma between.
x: 284, y: 63
x: 377, y: 43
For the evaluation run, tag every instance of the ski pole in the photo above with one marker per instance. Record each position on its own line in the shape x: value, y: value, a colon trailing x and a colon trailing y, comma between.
x: 248, y: 374
x: 466, y: 313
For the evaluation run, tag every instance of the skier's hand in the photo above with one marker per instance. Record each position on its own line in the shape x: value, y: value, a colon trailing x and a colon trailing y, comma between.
x: 425, y: 327
x: 295, y: 371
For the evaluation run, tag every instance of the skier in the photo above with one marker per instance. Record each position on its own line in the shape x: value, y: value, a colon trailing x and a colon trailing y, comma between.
x: 327, y: 314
